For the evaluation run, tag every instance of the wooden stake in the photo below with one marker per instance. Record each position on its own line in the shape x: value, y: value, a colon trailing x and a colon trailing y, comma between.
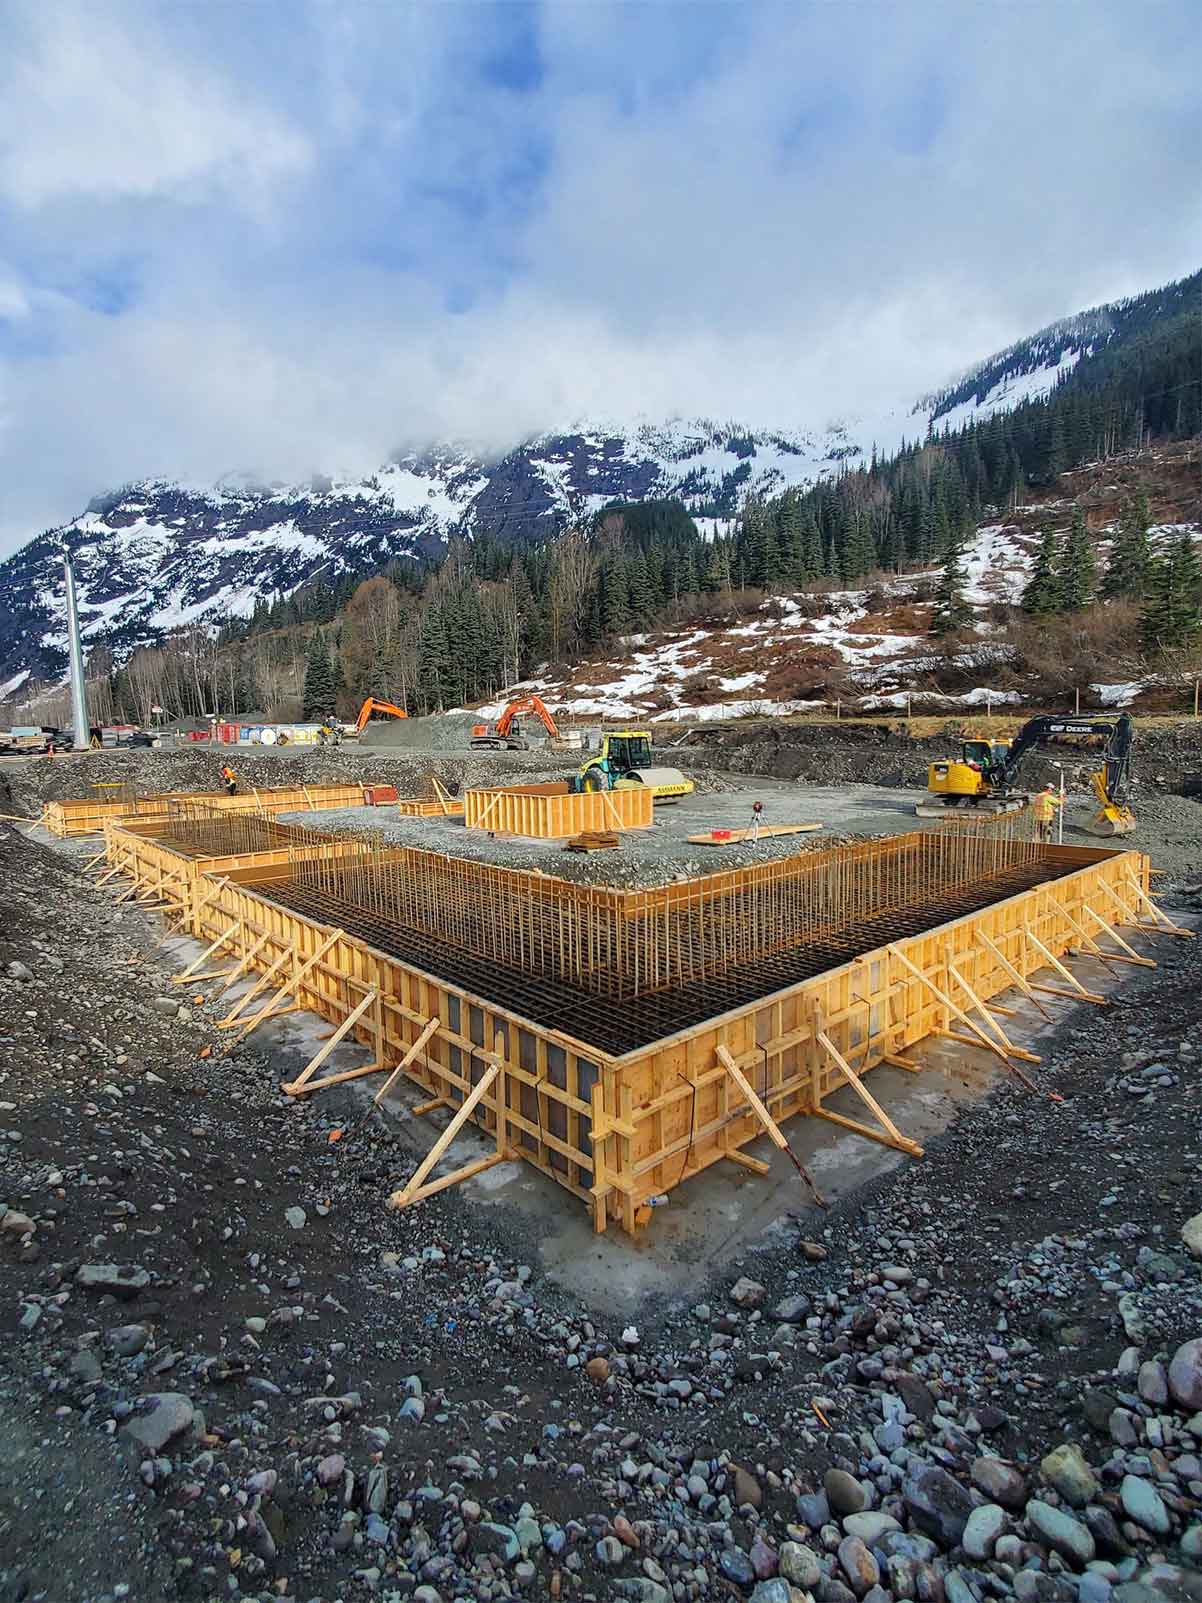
x: 1163, y: 921
x: 987, y: 1016
x: 409, y: 1193
x: 244, y: 961
x: 946, y: 1001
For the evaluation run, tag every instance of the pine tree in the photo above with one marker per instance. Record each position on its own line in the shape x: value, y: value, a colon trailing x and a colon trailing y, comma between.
x: 317, y: 700
x: 1130, y: 554
x: 1042, y: 595
x: 717, y: 570
x: 615, y: 598
x: 1057, y: 453
x: 953, y: 610
x: 1077, y: 570
x: 1171, y: 617
x: 642, y: 598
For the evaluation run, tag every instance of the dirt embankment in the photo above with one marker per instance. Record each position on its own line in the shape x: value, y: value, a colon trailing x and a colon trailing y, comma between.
x: 1164, y: 757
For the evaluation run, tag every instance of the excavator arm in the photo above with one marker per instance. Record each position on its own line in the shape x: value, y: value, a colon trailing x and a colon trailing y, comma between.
x: 527, y: 704
x: 372, y: 705
x: 1110, y: 783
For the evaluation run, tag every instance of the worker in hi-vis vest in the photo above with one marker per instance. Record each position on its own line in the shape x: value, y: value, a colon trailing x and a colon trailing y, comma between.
x: 1044, y: 806
x: 229, y: 780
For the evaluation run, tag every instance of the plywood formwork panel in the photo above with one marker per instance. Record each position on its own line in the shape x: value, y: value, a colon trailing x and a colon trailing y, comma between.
x: 552, y: 812
x: 89, y: 815
x: 615, y: 1130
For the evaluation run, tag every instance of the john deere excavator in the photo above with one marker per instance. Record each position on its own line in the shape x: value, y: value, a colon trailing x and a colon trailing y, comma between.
x: 986, y: 772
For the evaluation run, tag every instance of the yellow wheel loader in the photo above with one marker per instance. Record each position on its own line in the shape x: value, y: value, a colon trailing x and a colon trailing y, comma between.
x: 985, y: 774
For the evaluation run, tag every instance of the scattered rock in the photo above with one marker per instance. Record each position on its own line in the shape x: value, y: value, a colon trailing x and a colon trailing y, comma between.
x: 118, y: 1280
x: 158, y: 1419
x: 939, y: 1504
x: 747, y: 1293
x: 1061, y: 1532
x: 1065, y: 1469
x: 844, y: 1492
x: 1185, y: 1375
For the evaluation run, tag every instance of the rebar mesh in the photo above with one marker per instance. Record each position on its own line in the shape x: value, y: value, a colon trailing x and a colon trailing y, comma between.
x: 624, y: 944
x: 198, y: 829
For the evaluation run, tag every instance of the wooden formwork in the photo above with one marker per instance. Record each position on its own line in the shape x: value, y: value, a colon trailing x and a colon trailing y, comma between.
x: 159, y: 873
x: 552, y: 812
x: 616, y: 1130
x: 424, y: 807
x: 89, y: 816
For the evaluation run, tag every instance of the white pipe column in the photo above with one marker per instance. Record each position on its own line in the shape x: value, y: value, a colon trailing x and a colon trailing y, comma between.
x: 79, y: 700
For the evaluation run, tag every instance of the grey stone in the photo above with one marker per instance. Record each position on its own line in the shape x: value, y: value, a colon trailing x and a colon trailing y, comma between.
x: 85, y: 1367
x: 984, y: 1526
x: 793, y: 1310
x: 916, y: 1395
x: 13, y: 1223
x: 870, y: 1526
x: 1191, y: 1234
x: 747, y: 1293
x: 773, y: 1591
x: 800, y: 1565
x: 1061, y: 1532
x: 956, y: 1589
x: 1161, y: 1583
x: 127, y: 1340
x: 1001, y: 1483
x: 736, y: 1566
x: 609, y: 1551
x: 1185, y: 1375
x: 158, y: 1419
x: 940, y: 1506
x: 813, y: 1509
x: 843, y: 1492
x: 1153, y: 1384
x: 1065, y: 1469
x: 117, y: 1279
x: 1142, y: 1503
x: 295, y: 1218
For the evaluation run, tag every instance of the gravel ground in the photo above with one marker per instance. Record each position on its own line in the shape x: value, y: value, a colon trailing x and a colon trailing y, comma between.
x: 229, y: 1372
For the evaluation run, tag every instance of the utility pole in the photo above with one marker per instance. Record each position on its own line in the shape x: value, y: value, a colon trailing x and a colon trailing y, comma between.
x: 79, y: 701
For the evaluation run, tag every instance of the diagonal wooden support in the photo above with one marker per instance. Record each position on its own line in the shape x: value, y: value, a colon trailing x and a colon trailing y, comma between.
x: 1087, y: 940
x: 1163, y: 921
x: 245, y: 961
x: 1013, y: 973
x: 304, y: 1082
x: 1054, y: 961
x: 946, y: 1001
x: 988, y: 1018
x: 775, y: 1134
x: 293, y: 984
x: 233, y: 1017
x: 225, y: 935
x: 413, y: 1192
x: 91, y: 862
x: 428, y: 1029
x: 1132, y: 955
x: 888, y: 1135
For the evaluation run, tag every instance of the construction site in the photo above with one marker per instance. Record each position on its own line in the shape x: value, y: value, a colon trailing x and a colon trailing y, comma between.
x: 649, y: 1055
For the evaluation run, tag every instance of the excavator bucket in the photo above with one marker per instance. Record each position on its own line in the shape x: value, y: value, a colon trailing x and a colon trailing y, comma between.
x: 1111, y: 821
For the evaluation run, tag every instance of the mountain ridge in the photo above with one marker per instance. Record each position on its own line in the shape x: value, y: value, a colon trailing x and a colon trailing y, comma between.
x: 157, y: 555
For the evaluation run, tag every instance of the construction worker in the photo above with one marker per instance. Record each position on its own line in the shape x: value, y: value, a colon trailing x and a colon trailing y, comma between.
x: 229, y: 780
x: 1044, y: 807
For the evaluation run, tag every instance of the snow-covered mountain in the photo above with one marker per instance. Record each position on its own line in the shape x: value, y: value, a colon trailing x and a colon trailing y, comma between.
x: 156, y: 555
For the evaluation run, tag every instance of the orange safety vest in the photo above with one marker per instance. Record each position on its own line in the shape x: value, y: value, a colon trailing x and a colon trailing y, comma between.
x: 1045, y: 804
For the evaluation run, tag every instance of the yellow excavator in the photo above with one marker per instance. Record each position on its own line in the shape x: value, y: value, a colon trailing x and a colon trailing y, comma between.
x: 985, y: 774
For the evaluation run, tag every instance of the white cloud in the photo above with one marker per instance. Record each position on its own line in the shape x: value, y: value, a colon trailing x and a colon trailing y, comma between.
x: 290, y: 238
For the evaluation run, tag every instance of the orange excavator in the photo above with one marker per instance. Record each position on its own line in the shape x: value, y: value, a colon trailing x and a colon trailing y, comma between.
x: 506, y: 733
x: 370, y: 706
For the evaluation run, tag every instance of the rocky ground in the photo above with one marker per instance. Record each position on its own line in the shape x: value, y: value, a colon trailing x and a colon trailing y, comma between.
x: 230, y: 1372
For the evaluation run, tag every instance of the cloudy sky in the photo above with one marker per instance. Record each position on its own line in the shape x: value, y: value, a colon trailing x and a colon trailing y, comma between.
x: 286, y: 237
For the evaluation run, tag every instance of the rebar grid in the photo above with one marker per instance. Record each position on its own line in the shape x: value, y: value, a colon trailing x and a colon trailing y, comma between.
x: 195, y: 828
x: 623, y: 944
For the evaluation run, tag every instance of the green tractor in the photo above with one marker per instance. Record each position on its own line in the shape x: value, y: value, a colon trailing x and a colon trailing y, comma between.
x: 624, y: 761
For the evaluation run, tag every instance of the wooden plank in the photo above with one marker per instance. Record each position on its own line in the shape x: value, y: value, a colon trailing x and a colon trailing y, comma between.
x: 1088, y: 996
x: 292, y: 984
x: 945, y: 1000
x: 428, y: 1029
x: 208, y: 952
x: 895, y: 1138
x: 403, y: 1197
x: 477, y: 1166
x: 1163, y: 921
x: 301, y: 1085
x: 765, y: 830
x: 1014, y: 974
x: 745, y: 1161
x: 1132, y: 955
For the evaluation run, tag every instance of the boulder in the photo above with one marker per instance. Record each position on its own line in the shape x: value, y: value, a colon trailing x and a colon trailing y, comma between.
x: 158, y: 1419
x: 939, y: 1505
